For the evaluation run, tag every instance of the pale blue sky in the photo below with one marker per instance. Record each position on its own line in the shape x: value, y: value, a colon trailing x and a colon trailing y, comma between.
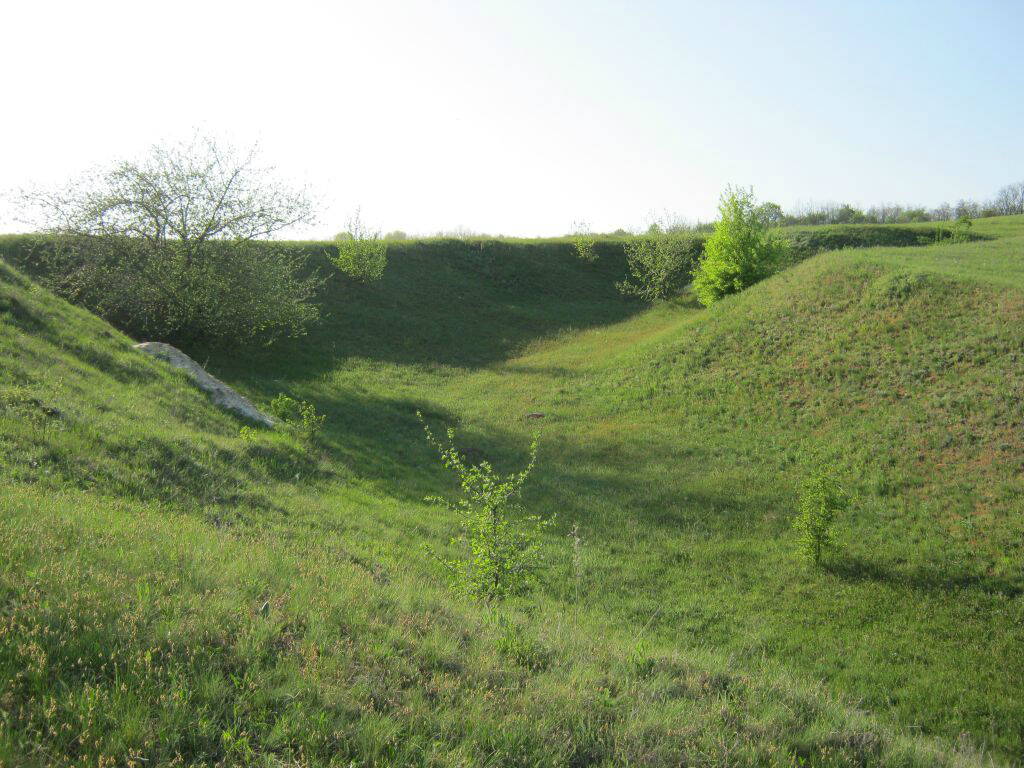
x: 523, y: 117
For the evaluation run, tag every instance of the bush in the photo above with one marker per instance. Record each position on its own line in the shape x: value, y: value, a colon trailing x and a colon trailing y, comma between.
x: 166, y: 248
x: 362, y: 253
x: 500, y: 558
x: 660, y: 264
x: 741, y: 251
x: 821, y: 500
x: 299, y: 414
x: 583, y: 241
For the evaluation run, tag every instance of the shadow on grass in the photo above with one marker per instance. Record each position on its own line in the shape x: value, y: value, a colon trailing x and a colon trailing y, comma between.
x: 454, y: 304
x: 858, y: 569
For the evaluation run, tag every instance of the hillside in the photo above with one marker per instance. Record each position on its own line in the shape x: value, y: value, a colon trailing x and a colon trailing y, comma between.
x: 174, y: 591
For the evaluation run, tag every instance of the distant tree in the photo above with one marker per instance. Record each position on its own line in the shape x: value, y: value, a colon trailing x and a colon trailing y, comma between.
x: 396, y: 235
x: 966, y: 209
x: 910, y: 215
x: 168, y: 247
x: 1010, y: 199
x: 770, y: 213
x: 848, y: 214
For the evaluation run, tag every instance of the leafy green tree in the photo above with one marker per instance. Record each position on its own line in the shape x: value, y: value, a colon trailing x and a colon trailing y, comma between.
x: 501, y: 554
x: 741, y: 251
x: 176, y: 246
x: 770, y: 213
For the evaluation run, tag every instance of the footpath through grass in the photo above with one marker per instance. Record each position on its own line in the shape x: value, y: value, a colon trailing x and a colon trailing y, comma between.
x: 174, y: 592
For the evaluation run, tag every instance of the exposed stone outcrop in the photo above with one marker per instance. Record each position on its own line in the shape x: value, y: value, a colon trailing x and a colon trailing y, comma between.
x: 222, y: 395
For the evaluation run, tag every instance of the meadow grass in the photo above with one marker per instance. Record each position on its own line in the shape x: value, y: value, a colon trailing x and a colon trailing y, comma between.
x: 175, y: 593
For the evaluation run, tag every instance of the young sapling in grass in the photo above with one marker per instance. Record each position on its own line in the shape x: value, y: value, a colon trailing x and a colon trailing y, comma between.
x: 500, y: 553
x: 298, y: 413
x: 822, y: 499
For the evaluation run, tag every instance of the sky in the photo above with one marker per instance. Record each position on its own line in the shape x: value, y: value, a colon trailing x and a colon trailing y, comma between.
x: 524, y: 117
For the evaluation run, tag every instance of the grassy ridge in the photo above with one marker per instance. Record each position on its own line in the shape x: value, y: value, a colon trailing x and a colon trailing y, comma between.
x: 259, y: 602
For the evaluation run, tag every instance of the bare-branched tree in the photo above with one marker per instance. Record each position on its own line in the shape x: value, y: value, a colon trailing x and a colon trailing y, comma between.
x: 169, y: 246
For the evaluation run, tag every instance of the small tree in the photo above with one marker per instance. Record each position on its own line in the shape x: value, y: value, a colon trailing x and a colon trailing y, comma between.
x: 168, y: 246
x: 741, y: 251
x: 659, y: 264
x: 821, y: 500
x: 584, y: 242
x: 501, y: 558
x: 362, y: 252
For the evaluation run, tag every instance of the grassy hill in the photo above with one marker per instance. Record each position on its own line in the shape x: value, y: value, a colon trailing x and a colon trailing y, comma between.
x: 171, y: 590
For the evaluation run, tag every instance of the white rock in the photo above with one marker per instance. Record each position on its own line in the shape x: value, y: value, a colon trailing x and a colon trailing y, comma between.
x: 222, y: 395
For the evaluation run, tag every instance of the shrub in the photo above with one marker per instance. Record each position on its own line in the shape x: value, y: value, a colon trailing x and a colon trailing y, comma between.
x: 821, y: 500
x: 500, y: 558
x: 960, y: 232
x: 310, y: 421
x: 741, y: 251
x: 659, y: 264
x: 284, y: 408
x: 166, y: 248
x: 583, y: 241
x: 362, y: 253
x: 299, y: 414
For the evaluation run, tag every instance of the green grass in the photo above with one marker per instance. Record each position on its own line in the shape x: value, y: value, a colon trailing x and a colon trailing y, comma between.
x: 172, y: 591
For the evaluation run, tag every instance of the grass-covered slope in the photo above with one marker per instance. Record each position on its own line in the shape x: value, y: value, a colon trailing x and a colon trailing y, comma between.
x: 172, y: 591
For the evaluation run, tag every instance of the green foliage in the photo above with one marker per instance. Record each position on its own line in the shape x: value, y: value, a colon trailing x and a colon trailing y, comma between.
x: 311, y: 421
x: 957, y: 232
x: 166, y: 582
x: 960, y: 232
x: 176, y: 248
x: 741, y: 251
x: 362, y: 253
x: 659, y: 264
x: 216, y: 294
x: 285, y: 408
x: 770, y: 213
x: 502, y: 554
x: 584, y: 241
x: 822, y: 499
x: 299, y: 413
